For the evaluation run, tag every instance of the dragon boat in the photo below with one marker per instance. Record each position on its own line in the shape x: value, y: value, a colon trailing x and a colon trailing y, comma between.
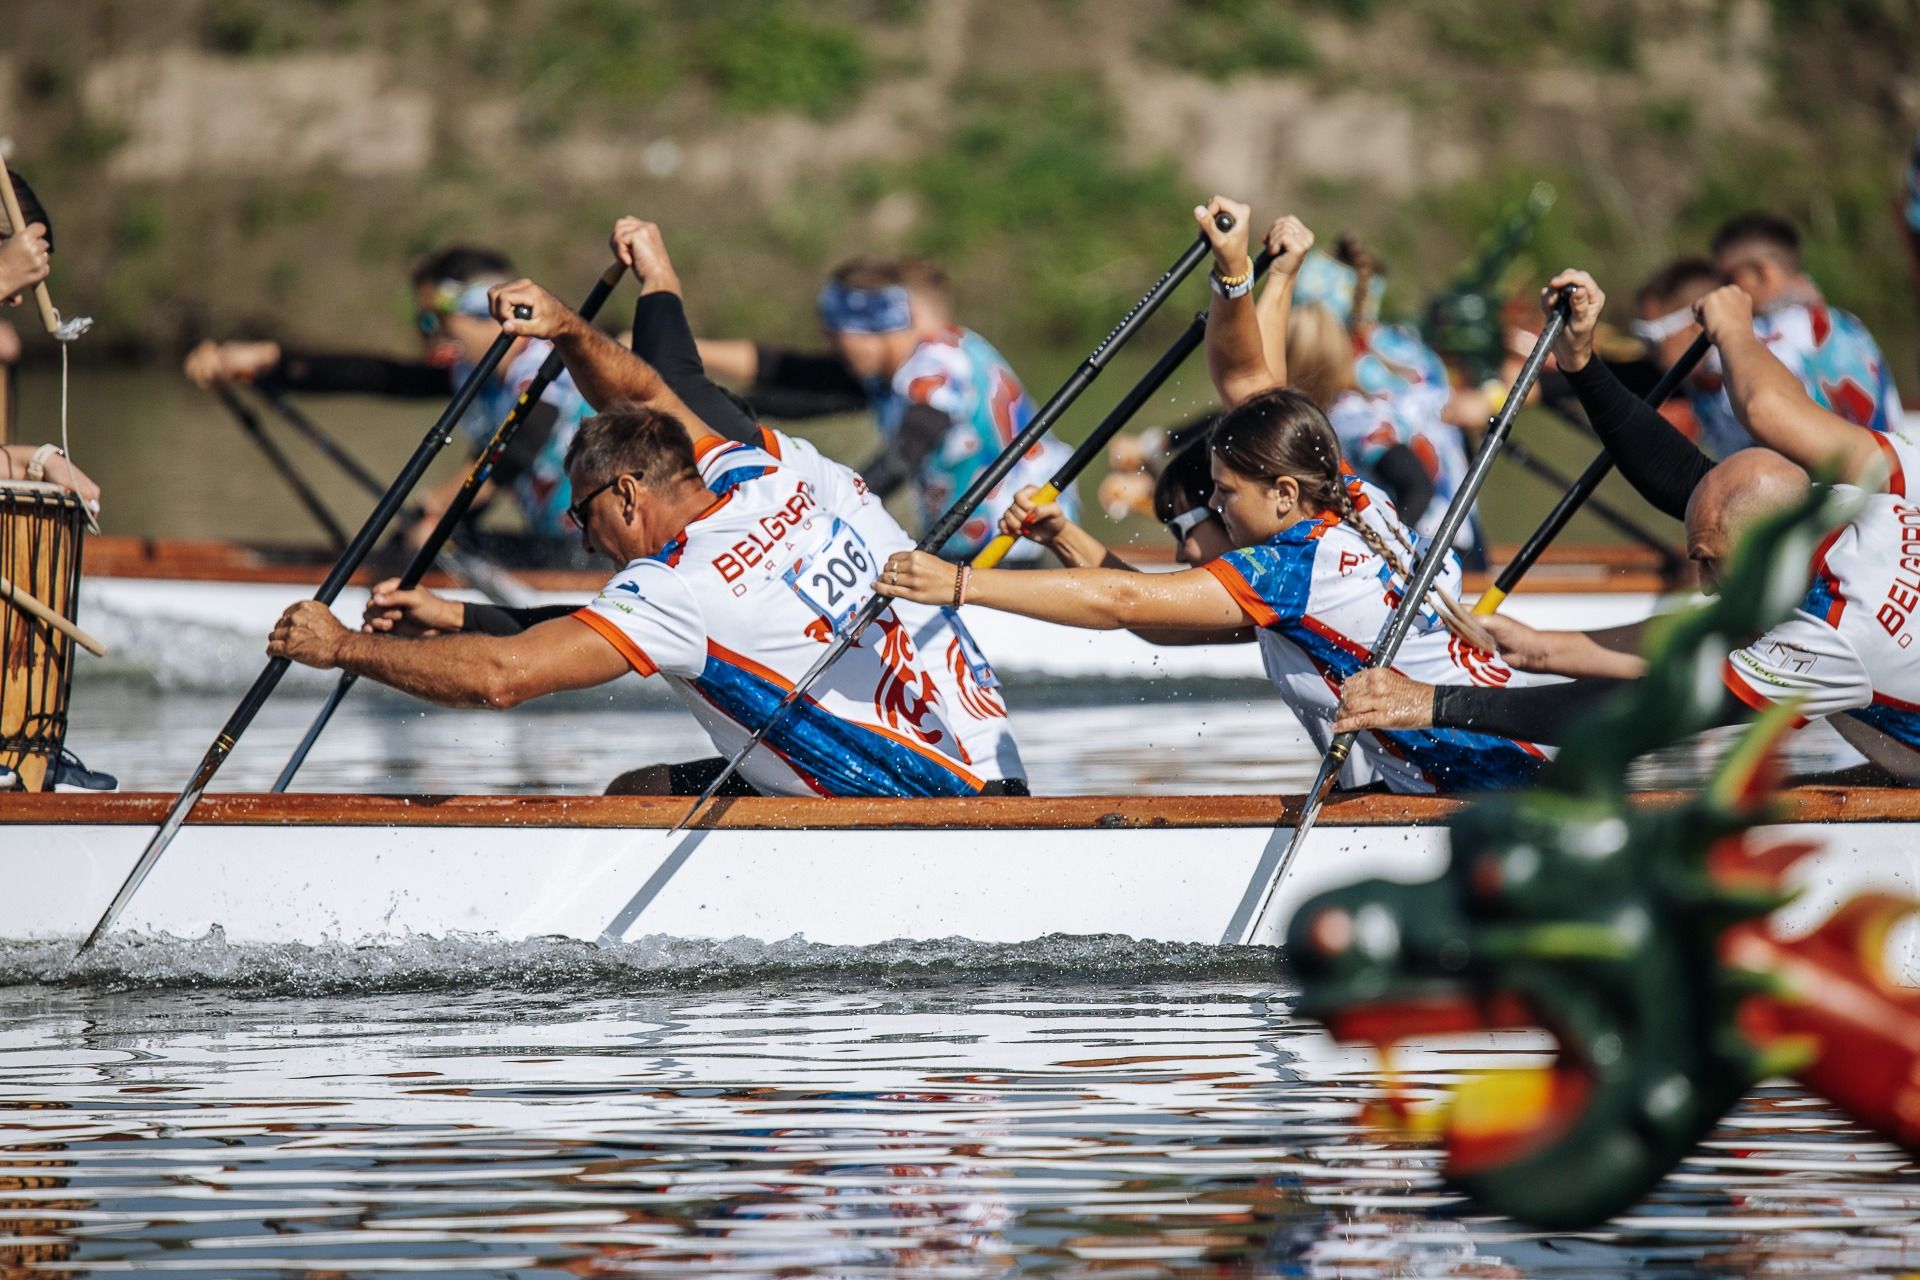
x: 359, y: 869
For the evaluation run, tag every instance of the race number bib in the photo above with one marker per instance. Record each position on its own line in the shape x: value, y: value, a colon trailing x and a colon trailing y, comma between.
x: 837, y: 580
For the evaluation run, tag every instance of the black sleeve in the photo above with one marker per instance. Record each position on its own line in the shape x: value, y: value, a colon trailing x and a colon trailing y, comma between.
x: 922, y: 428
x: 527, y: 443
x: 795, y: 384
x: 663, y: 338
x: 1655, y: 458
x: 359, y: 374
x: 1538, y: 713
x: 1406, y: 481
x: 497, y: 620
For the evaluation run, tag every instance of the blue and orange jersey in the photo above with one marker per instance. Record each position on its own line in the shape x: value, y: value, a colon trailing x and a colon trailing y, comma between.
x: 962, y: 376
x: 1321, y: 597
x: 541, y: 489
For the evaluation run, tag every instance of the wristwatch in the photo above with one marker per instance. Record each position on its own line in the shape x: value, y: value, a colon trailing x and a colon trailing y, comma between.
x: 37, y: 465
x: 1231, y: 286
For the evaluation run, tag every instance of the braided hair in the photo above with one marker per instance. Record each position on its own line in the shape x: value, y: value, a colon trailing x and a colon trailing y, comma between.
x: 1283, y: 433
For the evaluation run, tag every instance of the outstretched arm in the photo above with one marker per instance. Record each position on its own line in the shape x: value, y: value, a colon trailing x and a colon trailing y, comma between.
x: 606, y: 373
x: 1096, y: 599
x: 1235, y: 360
x: 461, y: 670
x: 1771, y: 401
x: 1288, y: 240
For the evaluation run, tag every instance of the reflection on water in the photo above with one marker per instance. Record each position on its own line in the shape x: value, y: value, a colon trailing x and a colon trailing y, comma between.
x: 1161, y: 1129
x: 1146, y: 741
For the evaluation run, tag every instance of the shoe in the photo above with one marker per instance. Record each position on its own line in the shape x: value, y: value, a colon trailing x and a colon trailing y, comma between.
x: 70, y: 775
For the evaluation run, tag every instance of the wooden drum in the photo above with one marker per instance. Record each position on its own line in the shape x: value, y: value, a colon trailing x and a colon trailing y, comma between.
x: 41, y: 527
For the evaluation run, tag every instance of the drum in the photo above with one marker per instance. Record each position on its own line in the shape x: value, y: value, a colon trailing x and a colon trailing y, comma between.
x: 41, y: 526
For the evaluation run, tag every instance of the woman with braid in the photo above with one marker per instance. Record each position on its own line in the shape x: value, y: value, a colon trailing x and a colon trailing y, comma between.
x: 1319, y: 565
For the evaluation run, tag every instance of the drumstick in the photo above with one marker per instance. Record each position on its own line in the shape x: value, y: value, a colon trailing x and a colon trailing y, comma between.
x: 16, y: 223
x: 26, y: 603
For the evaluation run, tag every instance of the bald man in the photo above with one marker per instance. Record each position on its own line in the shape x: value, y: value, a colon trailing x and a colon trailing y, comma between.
x: 1845, y: 651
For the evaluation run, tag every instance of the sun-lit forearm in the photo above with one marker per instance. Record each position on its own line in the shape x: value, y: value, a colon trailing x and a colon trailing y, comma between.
x: 609, y: 375
x: 1776, y: 408
x: 1108, y: 599
x: 1079, y: 549
x: 452, y: 671
x: 1235, y: 361
x: 1276, y: 304
x: 1576, y: 654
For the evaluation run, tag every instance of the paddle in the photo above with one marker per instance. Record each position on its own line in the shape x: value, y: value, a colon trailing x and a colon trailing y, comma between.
x: 1130, y: 404
x: 263, y: 686
x: 456, y: 511
x: 491, y: 581
x: 250, y: 425
x: 976, y: 493
x: 1400, y: 622
x: 1582, y: 489
x: 1670, y: 559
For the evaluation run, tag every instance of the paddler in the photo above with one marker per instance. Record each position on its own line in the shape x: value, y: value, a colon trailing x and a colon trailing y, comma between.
x: 1319, y: 561
x: 738, y: 562
x: 450, y: 289
x: 1847, y: 650
x: 946, y: 402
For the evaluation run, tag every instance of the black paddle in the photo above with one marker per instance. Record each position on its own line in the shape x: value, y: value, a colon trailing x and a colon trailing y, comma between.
x: 1130, y: 404
x: 443, y: 530
x: 250, y: 424
x: 1582, y: 489
x: 976, y: 493
x: 269, y: 677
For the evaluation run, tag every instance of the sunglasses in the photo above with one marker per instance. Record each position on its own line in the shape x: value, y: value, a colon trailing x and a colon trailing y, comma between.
x: 1183, y: 525
x: 578, y: 511
x: 1660, y: 328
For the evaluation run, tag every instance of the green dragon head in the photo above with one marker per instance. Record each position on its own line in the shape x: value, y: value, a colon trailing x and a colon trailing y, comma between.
x: 1568, y: 909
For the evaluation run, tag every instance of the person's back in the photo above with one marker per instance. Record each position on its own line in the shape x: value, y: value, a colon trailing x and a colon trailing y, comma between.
x: 964, y: 377
x: 738, y: 607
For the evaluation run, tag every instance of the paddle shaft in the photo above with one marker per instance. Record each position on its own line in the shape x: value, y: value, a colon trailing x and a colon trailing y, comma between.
x: 16, y: 223
x: 976, y: 493
x: 1130, y: 404
x: 456, y: 511
x: 1583, y: 488
x: 1400, y: 622
x: 318, y: 438
x: 269, y: 677
x: 1596, y: 506
x: 250, y: 425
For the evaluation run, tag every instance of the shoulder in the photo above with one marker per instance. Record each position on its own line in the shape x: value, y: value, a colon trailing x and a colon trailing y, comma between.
x: 935, y: 372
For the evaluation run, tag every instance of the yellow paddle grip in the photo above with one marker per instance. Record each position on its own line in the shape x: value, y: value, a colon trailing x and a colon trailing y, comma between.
x: 1489, y: 601
x: 996, y: 551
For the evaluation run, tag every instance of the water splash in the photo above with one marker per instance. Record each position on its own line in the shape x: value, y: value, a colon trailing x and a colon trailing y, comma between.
x: 150, y: 962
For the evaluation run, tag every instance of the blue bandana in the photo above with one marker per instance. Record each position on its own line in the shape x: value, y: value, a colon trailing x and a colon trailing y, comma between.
x: 884, y: 310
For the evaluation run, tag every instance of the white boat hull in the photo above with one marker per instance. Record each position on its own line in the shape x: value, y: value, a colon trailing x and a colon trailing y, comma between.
x: 367, y: 870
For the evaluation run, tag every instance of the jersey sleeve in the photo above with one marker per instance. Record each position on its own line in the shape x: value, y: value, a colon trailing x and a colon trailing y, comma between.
x: 926, y: 379
x: 1269, y: 583
x: 1802, y: 658
x: 1902, y: 448
x: 649, y: 614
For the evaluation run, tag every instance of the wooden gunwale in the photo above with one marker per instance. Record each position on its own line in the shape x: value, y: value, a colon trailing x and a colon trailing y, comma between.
x: 1093, y: 813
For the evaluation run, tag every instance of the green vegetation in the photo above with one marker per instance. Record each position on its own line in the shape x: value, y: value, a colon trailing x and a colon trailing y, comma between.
x: 775, y: 57
x: 1218, y: 38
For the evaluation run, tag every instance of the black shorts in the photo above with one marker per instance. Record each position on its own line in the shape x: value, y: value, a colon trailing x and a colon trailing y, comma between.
x: 692, y: 777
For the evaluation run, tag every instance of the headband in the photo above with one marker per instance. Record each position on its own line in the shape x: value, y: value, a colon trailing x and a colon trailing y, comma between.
x: 848, y: 310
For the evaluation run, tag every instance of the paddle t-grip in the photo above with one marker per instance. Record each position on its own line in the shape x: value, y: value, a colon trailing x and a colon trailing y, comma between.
x: 521, y: 311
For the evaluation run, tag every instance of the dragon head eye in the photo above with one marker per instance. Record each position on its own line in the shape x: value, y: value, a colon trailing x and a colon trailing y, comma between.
x: 1331, y: 931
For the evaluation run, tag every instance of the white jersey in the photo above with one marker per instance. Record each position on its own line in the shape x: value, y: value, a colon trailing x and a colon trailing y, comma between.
x: 1321, y: 598
x: 1849, y: 646
x: 736, y: 608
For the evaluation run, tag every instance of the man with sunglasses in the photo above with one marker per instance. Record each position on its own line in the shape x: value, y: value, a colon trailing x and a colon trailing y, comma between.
x: 1828, y: 349
x: 737, y: 569
x: 456, y: 327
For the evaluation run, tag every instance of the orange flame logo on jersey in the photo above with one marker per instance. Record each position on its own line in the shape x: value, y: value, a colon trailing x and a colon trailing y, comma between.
x: 1481, y: 667
x: 981, y: 704
x: 905, y: 696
